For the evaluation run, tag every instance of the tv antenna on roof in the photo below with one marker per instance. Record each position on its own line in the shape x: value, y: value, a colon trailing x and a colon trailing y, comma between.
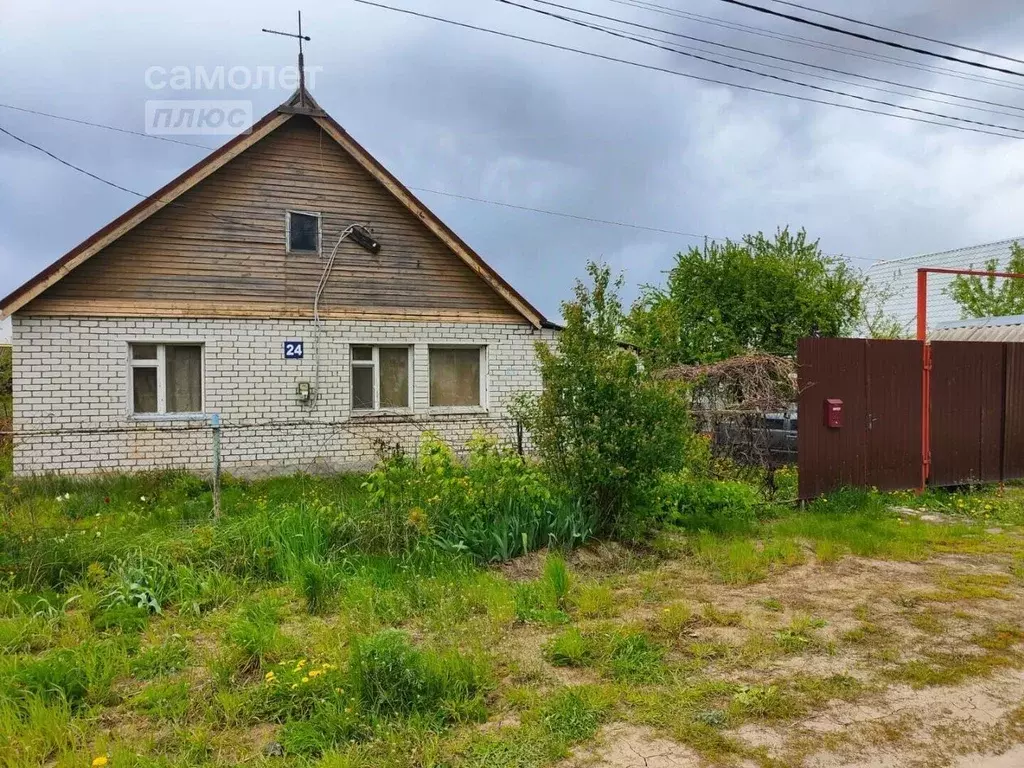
x: 302, y: 67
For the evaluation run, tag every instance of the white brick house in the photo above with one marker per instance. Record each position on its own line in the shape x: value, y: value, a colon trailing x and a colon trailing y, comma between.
x: 287, y: 283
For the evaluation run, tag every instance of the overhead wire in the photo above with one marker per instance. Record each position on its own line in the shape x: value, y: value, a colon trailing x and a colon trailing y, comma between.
x: 113, y: 184
x: 771, y: 34
x: 871, y: 38
x: 832, y: 91
x: 801, y: 63
x: 898, y: 31
x: 674, y: 72
x: 428, y: 190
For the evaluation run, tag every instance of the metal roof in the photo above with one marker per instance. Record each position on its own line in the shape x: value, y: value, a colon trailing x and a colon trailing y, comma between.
x: 899, y: 278
x: 1007, y: 328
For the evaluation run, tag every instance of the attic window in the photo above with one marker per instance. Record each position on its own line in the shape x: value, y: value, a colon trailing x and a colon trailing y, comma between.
x: 303, y: 232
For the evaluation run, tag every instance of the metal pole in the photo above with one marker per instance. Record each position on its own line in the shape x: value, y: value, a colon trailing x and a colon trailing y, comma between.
x: 926, y: 371
x: 215, y: 428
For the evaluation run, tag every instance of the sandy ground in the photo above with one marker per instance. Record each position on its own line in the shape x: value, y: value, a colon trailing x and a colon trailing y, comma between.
x: 916, y: 609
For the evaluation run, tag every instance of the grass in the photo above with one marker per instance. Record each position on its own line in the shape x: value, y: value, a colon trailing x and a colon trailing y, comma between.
x: 133, y: 626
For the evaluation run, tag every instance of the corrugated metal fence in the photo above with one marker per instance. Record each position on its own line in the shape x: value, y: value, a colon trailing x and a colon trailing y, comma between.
x: 976, y: 413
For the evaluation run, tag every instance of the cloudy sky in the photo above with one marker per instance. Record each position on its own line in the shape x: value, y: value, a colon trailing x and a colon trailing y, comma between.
x: 468, y: 113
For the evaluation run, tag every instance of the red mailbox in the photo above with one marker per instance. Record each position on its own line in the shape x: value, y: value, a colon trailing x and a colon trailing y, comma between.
x: 833, y: 413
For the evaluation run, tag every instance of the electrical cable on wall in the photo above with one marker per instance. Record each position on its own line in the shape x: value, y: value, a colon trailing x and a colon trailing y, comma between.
x: 361, y: 234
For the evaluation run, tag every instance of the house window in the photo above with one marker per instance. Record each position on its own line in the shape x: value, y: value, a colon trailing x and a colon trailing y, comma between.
x: 166, y: 378
x: 303, y: 232
x: 456, y: 375
x: 380, y: 378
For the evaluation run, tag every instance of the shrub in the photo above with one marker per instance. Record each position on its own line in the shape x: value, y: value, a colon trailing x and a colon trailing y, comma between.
x: 706, y: 504
x: 605, y: 427
x: 494, y: 506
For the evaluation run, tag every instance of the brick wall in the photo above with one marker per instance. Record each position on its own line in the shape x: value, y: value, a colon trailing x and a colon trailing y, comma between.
x: 73, y: 374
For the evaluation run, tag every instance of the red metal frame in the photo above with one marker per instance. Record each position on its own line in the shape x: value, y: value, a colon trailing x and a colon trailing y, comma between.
x: 926, y: 363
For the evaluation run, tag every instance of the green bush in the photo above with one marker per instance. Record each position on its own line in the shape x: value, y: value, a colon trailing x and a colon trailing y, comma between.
x: 605, y: 427
x: 706, y: 504
x: 494, y: 506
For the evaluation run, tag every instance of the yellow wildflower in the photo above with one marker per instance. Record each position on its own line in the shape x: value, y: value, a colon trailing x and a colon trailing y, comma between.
x: 97, y: 762
x: 305, y: 679
x: 270, y: 676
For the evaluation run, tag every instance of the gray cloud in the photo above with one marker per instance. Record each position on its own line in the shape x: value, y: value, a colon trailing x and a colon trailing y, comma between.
x: 472, y: 114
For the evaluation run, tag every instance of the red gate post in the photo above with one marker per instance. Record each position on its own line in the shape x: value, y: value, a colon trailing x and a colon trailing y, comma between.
x: 926, y: 361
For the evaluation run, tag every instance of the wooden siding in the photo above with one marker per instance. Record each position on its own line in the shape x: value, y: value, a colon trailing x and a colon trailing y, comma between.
x: 219, y: 249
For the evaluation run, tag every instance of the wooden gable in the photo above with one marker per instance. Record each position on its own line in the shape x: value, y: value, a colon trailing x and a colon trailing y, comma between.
x: 212, y: 242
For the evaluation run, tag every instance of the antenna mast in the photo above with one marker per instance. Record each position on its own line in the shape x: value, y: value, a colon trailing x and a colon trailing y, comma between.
x: 302, y: 63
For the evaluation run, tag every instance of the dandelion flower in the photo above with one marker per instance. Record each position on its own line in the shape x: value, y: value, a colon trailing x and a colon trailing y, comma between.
x: 97, y: 762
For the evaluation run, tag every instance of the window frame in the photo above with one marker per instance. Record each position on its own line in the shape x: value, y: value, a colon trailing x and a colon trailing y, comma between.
x: 288, y: 232
x: 374, y: 363
x: 160, y: 364
x: 482, y: 406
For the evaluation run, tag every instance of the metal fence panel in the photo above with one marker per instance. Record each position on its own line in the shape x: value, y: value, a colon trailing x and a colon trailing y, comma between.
x: 894, y: 414
x: 831, y: 458
x: 966, y: 412
x: 1013, y: 413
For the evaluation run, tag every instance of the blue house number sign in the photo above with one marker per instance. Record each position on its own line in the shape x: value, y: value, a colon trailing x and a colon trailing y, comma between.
x: 293, y: 350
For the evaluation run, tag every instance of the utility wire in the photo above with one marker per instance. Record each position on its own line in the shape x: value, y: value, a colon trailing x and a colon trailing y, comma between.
x: 110, y: 127
x: 593, y: 219
x: 871, y: 39
x: 898, y: 31
x: 109, y: 183
x: 787, y: 80
x: 545, y: 211
x: 647, y: 5
x: 677, y: 73
x: 548, y: 212
x: 801, y: 63
x: 62, y: 161
x: 828, y: 79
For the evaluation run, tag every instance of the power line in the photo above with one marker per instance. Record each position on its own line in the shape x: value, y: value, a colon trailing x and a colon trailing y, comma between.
x: 802, y: 63
x: 787, y: 80
x: 109, y: 183
x: 898, y: 31
x: 647, y: 5
x: 677, y: 73
x: 592, y: 219
x: 549, y: 212
x: 62, y: 161
x: 869, y: 38
x: 110, y: 127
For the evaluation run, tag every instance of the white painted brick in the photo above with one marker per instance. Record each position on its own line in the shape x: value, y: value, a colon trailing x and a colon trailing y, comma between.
x: 72, y: 374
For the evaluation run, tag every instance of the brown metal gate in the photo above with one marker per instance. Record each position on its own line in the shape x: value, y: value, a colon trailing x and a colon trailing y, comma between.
x: 966, y: 412
x: 976, y: 423
x: 879, y: 443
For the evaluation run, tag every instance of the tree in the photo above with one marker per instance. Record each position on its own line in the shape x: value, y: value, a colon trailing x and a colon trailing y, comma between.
x: 604, y: 426
x: 991, y: 296
x: 734, y: 297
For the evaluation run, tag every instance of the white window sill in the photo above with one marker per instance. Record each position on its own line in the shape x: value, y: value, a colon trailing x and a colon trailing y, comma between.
x: 380, y: 412
x: 157, y: 417
x: 454, y: 410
